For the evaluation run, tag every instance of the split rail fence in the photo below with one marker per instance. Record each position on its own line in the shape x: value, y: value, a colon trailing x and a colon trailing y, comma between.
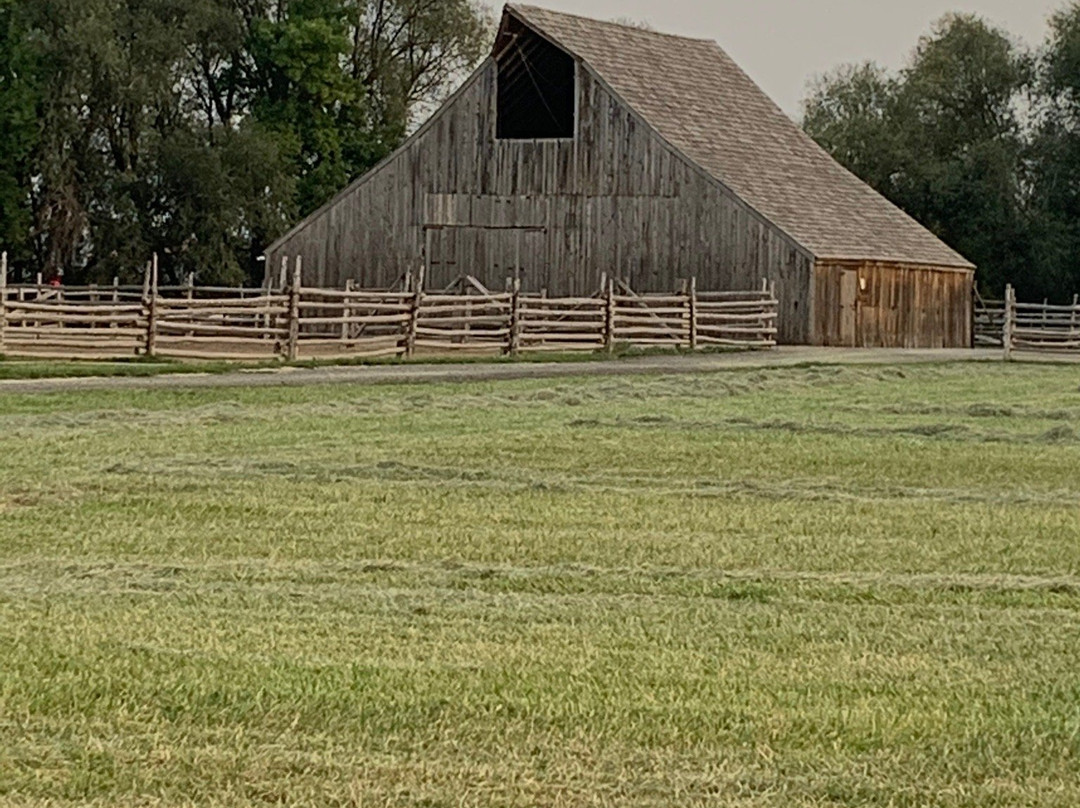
x: 297, y: 322
x: 1040, y: 327
x: 1028, y: 327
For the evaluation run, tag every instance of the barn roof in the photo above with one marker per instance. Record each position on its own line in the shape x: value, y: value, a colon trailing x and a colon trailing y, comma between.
x: 695, y: 96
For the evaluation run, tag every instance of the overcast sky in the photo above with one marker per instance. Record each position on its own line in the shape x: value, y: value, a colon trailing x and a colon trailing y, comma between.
x: 783, y: 43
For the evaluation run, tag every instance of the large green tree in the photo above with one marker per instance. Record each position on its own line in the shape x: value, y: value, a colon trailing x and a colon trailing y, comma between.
x: 944, y: 139
x: 958, y: 105
x: 18, y: 130
x: 1056, y: 156
x: 851, y: 112
x: 201, y: 129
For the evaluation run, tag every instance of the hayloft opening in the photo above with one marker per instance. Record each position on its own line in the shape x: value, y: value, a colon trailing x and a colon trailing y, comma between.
x: 536, y: 88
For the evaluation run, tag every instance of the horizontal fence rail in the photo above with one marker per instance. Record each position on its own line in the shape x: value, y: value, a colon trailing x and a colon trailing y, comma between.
x: 737, y: 319
x: 224, y: 323
x: 220, y: 328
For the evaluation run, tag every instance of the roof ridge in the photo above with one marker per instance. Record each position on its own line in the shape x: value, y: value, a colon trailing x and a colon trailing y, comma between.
x: 525, y: 8
x: 714, y: 113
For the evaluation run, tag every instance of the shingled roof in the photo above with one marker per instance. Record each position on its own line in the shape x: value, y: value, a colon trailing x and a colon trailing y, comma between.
x: 703, y: 104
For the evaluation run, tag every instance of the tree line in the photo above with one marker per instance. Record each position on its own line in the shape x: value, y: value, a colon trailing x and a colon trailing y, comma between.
x: 203, y: 129
x: 977, y: 137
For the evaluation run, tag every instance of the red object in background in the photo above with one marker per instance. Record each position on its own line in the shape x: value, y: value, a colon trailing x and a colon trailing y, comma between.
x: 56, y: 282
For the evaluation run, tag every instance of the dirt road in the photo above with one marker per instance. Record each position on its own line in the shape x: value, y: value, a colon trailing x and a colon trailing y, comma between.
x: 420, y: 373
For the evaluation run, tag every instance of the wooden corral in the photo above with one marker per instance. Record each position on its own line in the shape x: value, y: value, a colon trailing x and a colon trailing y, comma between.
x: 311, y: 323
x: 582, y: 149
x: 1040, y: 327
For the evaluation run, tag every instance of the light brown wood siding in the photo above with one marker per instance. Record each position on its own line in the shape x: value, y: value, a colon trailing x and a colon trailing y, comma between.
x: 616, y: 199
x: 894, y: 305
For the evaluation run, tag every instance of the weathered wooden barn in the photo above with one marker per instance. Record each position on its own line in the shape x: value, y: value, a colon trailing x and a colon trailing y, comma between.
x: 581, y: 148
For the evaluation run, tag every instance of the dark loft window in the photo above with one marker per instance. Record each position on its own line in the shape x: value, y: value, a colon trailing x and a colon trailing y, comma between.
x: 536, y: 89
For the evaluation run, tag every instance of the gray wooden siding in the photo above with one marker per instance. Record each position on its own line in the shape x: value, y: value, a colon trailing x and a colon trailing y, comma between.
x: 870, y: 304
x: 617, y: 199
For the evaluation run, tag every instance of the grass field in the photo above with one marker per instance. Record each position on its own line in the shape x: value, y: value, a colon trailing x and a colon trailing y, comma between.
x: 795, y: 587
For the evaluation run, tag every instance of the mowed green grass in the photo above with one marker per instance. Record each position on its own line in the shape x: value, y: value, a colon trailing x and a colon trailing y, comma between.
x: 795, y: 587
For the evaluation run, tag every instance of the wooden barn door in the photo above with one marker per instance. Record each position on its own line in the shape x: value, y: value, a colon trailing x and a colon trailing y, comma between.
x: 489, y: 254
x: 849, y: 308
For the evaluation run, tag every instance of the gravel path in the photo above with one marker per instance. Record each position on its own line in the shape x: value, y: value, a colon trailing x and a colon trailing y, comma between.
x: 419, y: 373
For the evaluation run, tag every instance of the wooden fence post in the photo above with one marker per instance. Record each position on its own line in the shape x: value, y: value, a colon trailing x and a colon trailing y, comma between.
x: 150, y: 294
x: 693, y: 314
x: 39, y: 285
x: 1010, y: 321
x: 609, y: 316
x: 292, y: 351
x: 468, y: 290
x: 1075, y: 312
x: 514, y: 340
x: 263, y: 320
x: 115, y: 297
x: 346, y: 315
x: 3, y: 301
x: 773, y: 308
x: 189, y: 293
x: 414, y: 314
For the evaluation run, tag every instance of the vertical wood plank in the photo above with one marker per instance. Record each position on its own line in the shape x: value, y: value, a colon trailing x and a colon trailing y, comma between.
x: 292, y: 349
x: 3, y: 301
x: 609, y: 316
x: 1010, y: 321
x: 151, y: 304
x: 346, y: 314
x: 692, y: 302
x: 514, y: 344
x: 414, y: 313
